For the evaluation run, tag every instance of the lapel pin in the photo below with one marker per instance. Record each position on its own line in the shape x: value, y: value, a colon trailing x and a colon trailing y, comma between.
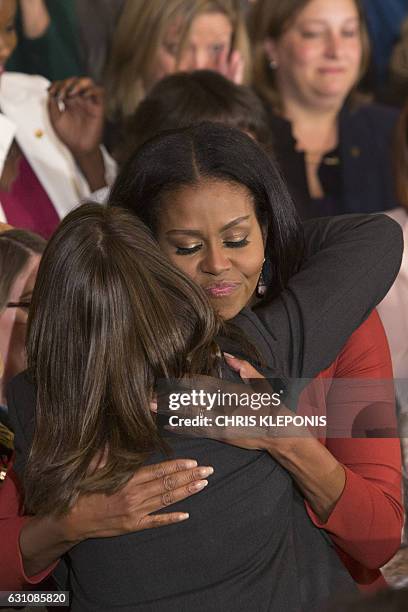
x: 39, y: 133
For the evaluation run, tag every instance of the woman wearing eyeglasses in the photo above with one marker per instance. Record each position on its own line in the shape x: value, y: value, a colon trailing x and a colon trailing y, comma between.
x: 20, y: 254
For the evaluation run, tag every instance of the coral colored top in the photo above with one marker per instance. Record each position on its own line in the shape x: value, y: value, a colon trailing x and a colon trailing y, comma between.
x: 366, y: 522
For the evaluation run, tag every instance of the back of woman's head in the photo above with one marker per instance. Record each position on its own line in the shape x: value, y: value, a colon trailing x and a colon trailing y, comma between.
x: 270, y: 19
x: 189, y: 98
x: 140, y: 34
x: 16, y: 247
x: 110, y: 315
x: 210, y: 150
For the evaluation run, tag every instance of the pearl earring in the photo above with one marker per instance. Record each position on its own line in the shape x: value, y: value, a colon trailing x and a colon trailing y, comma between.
x: 273, y: 64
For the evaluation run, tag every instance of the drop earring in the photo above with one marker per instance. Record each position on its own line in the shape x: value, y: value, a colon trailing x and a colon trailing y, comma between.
x: 273, y: 64
x: 261, y: 286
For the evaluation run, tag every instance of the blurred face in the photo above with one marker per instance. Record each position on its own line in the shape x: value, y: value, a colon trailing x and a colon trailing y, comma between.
x: 210, y: 231
x: 319, y: 56
x: 8, y: 39
x: 13, y: 321
x: 208, y: 40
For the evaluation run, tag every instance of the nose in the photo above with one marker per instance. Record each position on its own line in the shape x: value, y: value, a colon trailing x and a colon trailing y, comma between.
x: 215, y: 261
x: 333, y: 45
x: 199, y: 59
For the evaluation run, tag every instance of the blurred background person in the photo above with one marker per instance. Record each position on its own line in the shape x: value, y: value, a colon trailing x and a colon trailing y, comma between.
x: 188, y: 98
x: 334, y: 149
x: 20, y: 254
x: 156, y: 38
x: 56, y: 150
x: 61, y: 38
x: 384, y: 22
x: 398, y: 69
x: 393, y: 309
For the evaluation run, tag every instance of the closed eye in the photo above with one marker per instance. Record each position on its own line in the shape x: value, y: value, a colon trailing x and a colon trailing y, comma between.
x: 236, y: 244
x: 188, y: 250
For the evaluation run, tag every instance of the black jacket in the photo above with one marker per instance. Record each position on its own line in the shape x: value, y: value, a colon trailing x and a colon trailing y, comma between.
x: 357, y: 176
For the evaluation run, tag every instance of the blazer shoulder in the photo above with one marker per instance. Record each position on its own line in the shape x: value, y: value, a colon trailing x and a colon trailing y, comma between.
x: 376, y: 117
x: 17, y: 85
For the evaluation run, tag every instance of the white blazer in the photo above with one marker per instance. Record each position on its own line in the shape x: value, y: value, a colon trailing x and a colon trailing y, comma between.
x: 23, y: 100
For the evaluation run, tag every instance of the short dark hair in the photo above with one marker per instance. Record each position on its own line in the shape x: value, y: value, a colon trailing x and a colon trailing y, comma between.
x: 210, y: 150
x: 185, y: 99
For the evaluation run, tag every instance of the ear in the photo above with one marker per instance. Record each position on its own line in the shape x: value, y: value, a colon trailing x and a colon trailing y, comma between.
x: 271, y: 51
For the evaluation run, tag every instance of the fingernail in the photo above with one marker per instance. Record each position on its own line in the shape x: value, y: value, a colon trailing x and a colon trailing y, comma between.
x: 200, y: 485
x: 206, y: 471
x: 229, y: 355
x: 190, y: 463
x: 183, y: 516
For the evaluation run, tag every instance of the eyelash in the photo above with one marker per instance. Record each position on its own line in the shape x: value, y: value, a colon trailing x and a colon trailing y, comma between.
x: 346, y: 34
x: 237, y: 244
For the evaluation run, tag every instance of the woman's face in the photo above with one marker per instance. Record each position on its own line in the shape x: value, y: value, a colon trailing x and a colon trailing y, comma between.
x: 13, y: 321
x: 8, y: 38
x: 209, y: 38
x: 210, y: 231
x: 319, y: 56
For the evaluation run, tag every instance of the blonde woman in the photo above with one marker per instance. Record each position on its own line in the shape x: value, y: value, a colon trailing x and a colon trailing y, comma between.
x: 159, y: 37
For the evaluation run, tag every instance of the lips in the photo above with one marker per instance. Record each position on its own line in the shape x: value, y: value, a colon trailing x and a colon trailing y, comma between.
x: 222, y: 289
x: 332, y: 70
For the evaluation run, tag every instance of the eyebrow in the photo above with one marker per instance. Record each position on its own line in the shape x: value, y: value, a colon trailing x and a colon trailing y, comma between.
x: 315, y: 21
x: 188, y: 232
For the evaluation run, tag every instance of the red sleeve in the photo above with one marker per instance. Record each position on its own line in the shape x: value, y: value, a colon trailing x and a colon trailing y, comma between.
x: 367, y: 520
x: 12, y: 576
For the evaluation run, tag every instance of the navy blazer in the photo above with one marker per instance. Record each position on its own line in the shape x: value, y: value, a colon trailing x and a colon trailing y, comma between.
x: 357, y: 176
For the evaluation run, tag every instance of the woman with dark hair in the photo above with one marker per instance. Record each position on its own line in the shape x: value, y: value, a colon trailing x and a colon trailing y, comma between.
x: 333, y: 147
x: 135, y: 319
x: 344, y: 274
x: 218, y: 210
x: 188, y: 98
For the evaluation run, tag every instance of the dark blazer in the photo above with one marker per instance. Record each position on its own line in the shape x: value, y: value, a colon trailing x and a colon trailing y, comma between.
x: 357, y: 176
x: 248, y: 545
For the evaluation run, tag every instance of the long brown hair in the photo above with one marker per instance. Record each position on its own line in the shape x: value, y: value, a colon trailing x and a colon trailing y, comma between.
x: 110, y: 315
x: 139, y: 35
x: 270, y: 19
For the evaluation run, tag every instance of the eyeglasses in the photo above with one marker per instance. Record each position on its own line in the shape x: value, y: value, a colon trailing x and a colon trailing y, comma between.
x: 18, y: 305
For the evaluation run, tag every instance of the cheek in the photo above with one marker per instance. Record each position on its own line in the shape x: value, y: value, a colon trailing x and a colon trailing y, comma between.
x: 356, y: 55
x: 250, y: 266
x: 302, y: 55
x: 6, y: 328
x: 165, y: 64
